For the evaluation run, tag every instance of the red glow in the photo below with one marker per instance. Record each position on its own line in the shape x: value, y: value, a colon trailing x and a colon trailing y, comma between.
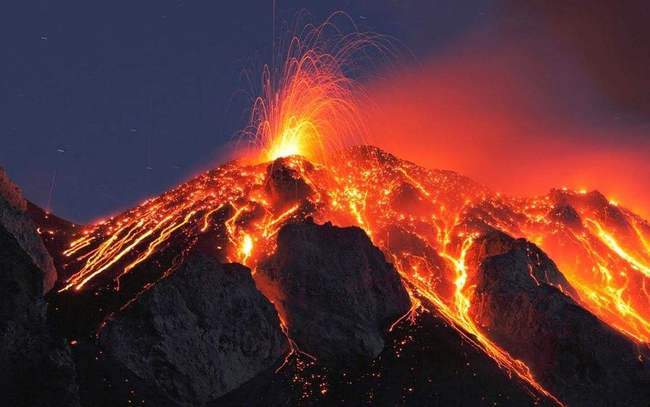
x: 508, y: 118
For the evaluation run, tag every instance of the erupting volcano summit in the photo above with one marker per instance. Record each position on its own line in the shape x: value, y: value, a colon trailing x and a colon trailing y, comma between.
x: 317, y: 270
x: 546, y: 297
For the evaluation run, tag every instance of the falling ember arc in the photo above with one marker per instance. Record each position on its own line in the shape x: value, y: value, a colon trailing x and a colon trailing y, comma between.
x: 308, y: 104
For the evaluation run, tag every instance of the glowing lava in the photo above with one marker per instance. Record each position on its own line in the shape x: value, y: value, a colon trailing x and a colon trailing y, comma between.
x: 425, y: 221
x: 309, y: 107
x: 600, y: 248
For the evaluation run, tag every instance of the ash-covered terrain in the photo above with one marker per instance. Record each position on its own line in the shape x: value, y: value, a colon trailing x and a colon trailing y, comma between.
x: 367, y: 280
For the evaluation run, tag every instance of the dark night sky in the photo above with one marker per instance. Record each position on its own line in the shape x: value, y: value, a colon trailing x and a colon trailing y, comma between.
x: 124, y: 99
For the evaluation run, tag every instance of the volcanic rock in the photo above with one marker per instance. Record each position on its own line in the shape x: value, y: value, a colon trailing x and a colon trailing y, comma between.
x: 57, y: 235
x: 197, y: 334
x: 519, y: 304
x: 540, y: 267
x: 400, y: 241
x: 408, y: 198
x: 594, y: 200
x: 335, y: 291
x: 37, y: 369
x: 595, y: 203
x: 567, y: 215
x: 14, y: 218
x: 284, y: 184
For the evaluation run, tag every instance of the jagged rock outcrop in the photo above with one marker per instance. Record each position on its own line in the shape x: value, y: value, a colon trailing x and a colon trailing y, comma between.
x: 566, y: 215
x: 284, y: 183
x: 36, y: 367
x: 14, y: 218
x: 57, y: 235
x: 595, y: 204
x: 400, y: 241
x: 518, y: 303
x: 540, y: 268
x: 195, y: 335
x: 409, y: 199
x: 334, y: 289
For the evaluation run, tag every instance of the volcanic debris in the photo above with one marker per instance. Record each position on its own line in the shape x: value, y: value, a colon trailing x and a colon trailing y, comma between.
x: 524, y: 303
x: 335, y: 290
x: 36, y: 366
x: 15, y: 219
x: 195, y: 335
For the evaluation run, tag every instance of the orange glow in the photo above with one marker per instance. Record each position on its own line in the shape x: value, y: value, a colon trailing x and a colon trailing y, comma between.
x: 310, y: 108
x: 607, y: 267
x: 246, y: 248
x: 308, y: 105
x: 605, y: 264
x: 494, y: 111
x: 611, y: 242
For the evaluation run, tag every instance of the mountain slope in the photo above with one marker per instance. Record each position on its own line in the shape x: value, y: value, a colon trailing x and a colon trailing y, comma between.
x: 428, y: 223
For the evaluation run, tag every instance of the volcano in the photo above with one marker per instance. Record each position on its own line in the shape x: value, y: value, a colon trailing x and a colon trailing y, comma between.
x: 364, y: 279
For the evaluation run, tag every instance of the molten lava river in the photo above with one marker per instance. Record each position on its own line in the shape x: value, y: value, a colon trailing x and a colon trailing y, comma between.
x: 428, y: 223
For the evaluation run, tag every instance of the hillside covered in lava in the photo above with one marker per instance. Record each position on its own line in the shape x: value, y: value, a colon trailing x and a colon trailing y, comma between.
x: 362, y: 280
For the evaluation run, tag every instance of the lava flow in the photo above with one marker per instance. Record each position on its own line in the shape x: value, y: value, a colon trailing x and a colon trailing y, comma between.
x: 425, y: 221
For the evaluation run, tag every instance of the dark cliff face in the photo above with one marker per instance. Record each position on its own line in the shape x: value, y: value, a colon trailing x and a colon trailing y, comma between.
x: 285, y: 185
x: 193, y: 337
x: 15, y: 219
x: 540, y: 268
x: 520, y: 303
x: 36, y: 367
x: 56, y: 234
x: 335, y: 290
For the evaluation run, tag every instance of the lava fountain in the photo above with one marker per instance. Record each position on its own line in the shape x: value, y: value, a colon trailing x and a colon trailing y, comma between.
x: 308, y: 104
